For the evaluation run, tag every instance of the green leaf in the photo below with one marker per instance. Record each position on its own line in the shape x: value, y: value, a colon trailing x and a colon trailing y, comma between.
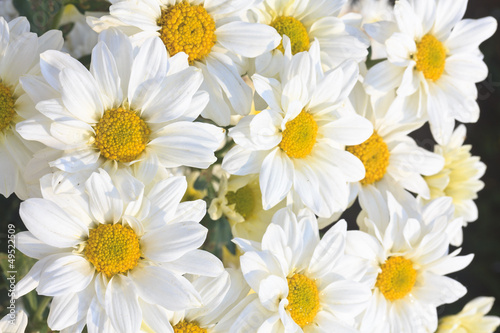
x: 43, y: 15
x: 89, y: 5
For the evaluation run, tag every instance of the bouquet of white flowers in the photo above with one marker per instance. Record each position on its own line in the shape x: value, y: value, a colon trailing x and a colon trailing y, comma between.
x: 184, y: 166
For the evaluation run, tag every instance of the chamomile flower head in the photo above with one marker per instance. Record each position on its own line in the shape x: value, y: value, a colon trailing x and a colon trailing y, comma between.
x: 114, y: 250
x: 459, y: 179
x: 303, y: 22
x: 297, y: 143
x: 408, y: 260
x: 213, y: 36
x: 392, y: 160
x: 473, y: 318
x: 301, y: 283
x: 134, y: 109
x: 433, y: 61
x: 240, y: 201
x: 19, y: 55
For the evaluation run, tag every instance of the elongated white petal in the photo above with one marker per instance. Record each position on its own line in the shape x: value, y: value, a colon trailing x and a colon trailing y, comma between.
x: 157, y: 285
x: 49, y: 223
x: 248, y: 39
x: 173, y: 241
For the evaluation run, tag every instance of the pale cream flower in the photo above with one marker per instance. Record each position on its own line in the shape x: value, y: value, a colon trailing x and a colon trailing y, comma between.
x: 472, y: 318
x: 458, y: 179
x: 240, y: 201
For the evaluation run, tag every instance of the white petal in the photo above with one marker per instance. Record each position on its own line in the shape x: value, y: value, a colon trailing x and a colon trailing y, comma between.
x: 35, y: 248
x: 120, y: 47
x: 67, y: 310
x: 156, y: 285
x: 275, y: 178
x: 448, y: 12
x: 241, y: 161
x: 81, y: 96
x: 248, y: 39
x: 103, y: 68
x: 197, y: 262
x: 226, y: 75
x: 189, y: 144
x: 468, y: 34
x: 349, y: 130
x: 105, y: 202
x: 122, y: 305
x: 173, y: 241
x: 383, y: 77
x: 269, y: 89
x: 150, y: 63
x: 49, y: 223
x: 19, y: 57
x: 165, y: 197
x: 66, y: 274
x: 173, y: 96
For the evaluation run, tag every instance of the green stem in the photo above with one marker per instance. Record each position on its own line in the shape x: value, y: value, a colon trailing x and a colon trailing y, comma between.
x: 41, y: 308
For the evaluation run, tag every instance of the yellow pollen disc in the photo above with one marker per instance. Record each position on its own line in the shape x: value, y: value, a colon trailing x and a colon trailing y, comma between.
x: 430, y: 57
x: 299, y: 135
x: 375, y: 157
x: 121, y: 135
x: 7, y: 111
x: 303, y: 299
x: 295, y: 30
x: 112, y: 249
x: 187, y: 28
x: 185, y: 327
x: 397, y: 278
x: 244, y: 201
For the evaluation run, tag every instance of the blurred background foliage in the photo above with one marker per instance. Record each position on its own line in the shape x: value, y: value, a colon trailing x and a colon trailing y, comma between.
x: 481, y: 277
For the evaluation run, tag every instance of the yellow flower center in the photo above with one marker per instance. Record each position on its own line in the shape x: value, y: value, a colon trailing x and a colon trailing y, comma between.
x: 7, y: 111
x: 303, y: 299
x: 299, y: 135
x: 375, y: 157
x: 397, y: 278
x: 112, y: 249
x: 243, y: 200
x: 430, y: 57
x: 295, y: 30
x: 188, y: 327
x: 187, y: 28
x: 121, y: 135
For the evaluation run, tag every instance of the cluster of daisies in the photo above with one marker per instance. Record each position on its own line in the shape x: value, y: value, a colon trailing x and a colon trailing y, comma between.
x: 278, y: 107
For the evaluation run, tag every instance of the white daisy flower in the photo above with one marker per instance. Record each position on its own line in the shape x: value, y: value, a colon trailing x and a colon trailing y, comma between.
x: 472, y: 318
x: 459, y: 178
x: 218, y: 294
x: 433, y: 61
x: 304, y: 22
x: 240, y: 201
x: 81, y: 39
x: 135, y: 109
x: 19, y: 55
x: 393, y: 161
x: 210, y: 32
x: 408, y: 260
x: 297, y: 144
x: 301, y: 283
x: 107, y: 253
